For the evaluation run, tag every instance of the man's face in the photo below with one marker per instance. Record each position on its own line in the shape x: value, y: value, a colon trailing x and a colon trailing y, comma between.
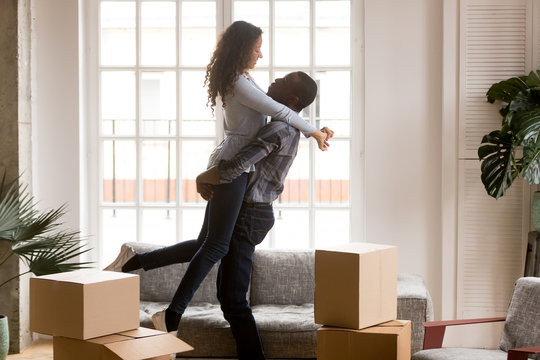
x: 282, y: 89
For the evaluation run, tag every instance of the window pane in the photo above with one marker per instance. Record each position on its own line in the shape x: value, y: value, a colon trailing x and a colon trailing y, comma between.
x: 296, y: 188
x: 195, y: 156
x: 119, y: 226
x: 158, y: 33
x: 159, y: 226
x: 158, y: 103
x: 159, y: 171
x: 292, y: 33
x: 291, y: 229
x: 118, y: 102
x: 192, y: 221
x: 119, y: 171
x: 261, y: 79
x: 332, y: 173
x: 258, y: 14
x: 117, y: 33
x: 198, y: 32
x: 331, y: 227
x: 197, y: 118
x: 333, y: 101
x: 332, y: 33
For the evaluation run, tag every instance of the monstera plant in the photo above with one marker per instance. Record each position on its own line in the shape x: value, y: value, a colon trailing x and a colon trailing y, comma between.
x: 514, y: 149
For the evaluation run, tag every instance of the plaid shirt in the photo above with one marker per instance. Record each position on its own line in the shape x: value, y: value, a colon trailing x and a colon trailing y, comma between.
x: 273, y: 150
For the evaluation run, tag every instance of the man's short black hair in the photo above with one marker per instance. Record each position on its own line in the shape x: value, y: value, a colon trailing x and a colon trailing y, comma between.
x: 306, y: 91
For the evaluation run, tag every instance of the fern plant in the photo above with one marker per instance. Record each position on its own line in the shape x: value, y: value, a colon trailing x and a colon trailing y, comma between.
x: 514, y: 149
x: 34, y: 236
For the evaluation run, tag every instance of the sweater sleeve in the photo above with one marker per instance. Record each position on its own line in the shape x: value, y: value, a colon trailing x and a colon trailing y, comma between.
x: 250, y: 96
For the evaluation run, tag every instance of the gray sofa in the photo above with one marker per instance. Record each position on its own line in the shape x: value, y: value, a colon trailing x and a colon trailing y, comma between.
x: 281, y: 296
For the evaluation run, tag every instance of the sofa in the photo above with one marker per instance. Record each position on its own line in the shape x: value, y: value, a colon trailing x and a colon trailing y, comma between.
x: 281, y: 296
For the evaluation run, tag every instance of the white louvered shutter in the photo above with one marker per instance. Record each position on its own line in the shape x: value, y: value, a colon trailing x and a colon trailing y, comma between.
x: 495, y: 44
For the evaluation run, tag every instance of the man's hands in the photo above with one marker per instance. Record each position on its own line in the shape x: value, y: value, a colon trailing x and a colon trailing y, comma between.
x: 322, y: 136
x: 205, y: 180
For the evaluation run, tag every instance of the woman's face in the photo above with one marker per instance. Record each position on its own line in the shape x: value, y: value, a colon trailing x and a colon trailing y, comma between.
x: 256, y: 54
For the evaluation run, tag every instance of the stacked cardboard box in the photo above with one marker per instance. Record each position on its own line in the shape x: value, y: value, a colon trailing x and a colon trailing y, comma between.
x: 356, y: 301
x: 95, y: 315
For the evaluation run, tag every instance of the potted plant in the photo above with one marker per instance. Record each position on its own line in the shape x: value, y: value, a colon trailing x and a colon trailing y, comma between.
x: 34, y: 237
x: 502, y: 162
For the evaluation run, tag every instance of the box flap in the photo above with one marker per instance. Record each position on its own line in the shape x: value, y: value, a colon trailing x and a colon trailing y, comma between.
x: 148, y: 347
x: 141, y: 332
x: 87, y: 276
x: 393, y: 326
x: 108, y: 339
x: 356, y: 248
x: 395, y: 323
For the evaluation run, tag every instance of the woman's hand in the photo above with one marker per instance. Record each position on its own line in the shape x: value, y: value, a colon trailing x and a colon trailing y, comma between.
x: 321, y: 139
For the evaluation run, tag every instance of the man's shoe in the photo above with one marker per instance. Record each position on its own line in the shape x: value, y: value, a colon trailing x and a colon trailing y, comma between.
x: 159, y: 321
x: 126, y: 253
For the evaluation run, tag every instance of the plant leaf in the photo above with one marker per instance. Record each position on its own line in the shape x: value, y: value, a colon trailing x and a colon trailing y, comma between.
x: 499, y: 168
x: 531, y: 164
x: 506, y: 90
x: 527, y: 127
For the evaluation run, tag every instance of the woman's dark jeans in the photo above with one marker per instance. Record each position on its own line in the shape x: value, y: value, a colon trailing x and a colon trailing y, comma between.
x: 209, y: 248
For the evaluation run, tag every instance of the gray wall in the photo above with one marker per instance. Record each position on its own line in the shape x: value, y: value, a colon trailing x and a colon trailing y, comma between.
x: 15, y: 148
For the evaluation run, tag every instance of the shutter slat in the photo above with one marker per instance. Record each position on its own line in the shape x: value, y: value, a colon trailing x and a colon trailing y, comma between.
x: 493, y: 48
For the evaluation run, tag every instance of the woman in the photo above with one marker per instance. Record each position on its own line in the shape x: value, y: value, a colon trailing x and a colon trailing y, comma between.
x: 246, y: 107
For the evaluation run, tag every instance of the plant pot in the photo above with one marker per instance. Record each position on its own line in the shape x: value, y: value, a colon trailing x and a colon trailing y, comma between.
x: 4, y: 337
x: 535, y: 211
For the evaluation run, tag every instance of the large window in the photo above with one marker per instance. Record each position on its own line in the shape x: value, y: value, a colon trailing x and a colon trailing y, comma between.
x: 154, y: 133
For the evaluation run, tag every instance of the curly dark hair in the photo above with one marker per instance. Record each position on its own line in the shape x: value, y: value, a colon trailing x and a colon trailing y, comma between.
x: 230, y: 59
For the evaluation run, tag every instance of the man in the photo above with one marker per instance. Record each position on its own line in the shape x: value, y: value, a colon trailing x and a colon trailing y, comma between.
x: 273, y: 152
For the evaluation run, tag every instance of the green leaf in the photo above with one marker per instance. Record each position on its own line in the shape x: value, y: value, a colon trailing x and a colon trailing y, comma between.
x: 499, y: 168
x: 524, y: 101
x: 531, y: 164
x: 527, y: 126
x: 506, y: 90
x: 533, y: 79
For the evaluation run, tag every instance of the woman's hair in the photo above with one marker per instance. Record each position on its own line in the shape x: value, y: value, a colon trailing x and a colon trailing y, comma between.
x: 230, y: 58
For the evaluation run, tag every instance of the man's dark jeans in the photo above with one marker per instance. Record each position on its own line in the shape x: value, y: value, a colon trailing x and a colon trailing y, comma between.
x: 234, y: 274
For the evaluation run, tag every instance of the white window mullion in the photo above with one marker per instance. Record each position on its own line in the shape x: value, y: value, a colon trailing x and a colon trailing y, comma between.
x: 138, y: 143
x: 178, y: 135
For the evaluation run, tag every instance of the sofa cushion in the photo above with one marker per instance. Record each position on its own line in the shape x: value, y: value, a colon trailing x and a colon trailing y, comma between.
x: 283, y: 277
x: 161, y: 284
x: 522, y: 326
x: 414, y: 303
x: 286, y: 330
x: 459, y: 354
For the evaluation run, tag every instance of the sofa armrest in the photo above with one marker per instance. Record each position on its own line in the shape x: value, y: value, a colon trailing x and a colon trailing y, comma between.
x: 522, y: 353
x: 434, y: 330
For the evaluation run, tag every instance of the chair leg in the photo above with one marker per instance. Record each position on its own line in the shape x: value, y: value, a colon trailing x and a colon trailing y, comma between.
x: 433, y: 337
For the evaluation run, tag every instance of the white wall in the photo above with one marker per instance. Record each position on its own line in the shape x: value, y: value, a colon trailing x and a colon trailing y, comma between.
x: 55, y: 114
x: 403, y: 66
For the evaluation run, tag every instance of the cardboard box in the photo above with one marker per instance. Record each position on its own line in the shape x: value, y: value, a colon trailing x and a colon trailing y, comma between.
x: 355, y: 285
x: 84, y: 304
x: 388, y: 341
x: 139, y: 344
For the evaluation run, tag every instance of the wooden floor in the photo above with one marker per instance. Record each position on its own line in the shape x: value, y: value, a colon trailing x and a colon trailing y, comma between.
x: 41, y: 349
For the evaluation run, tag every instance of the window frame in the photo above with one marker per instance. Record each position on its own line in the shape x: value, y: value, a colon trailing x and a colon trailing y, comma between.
x: 91, y: 198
